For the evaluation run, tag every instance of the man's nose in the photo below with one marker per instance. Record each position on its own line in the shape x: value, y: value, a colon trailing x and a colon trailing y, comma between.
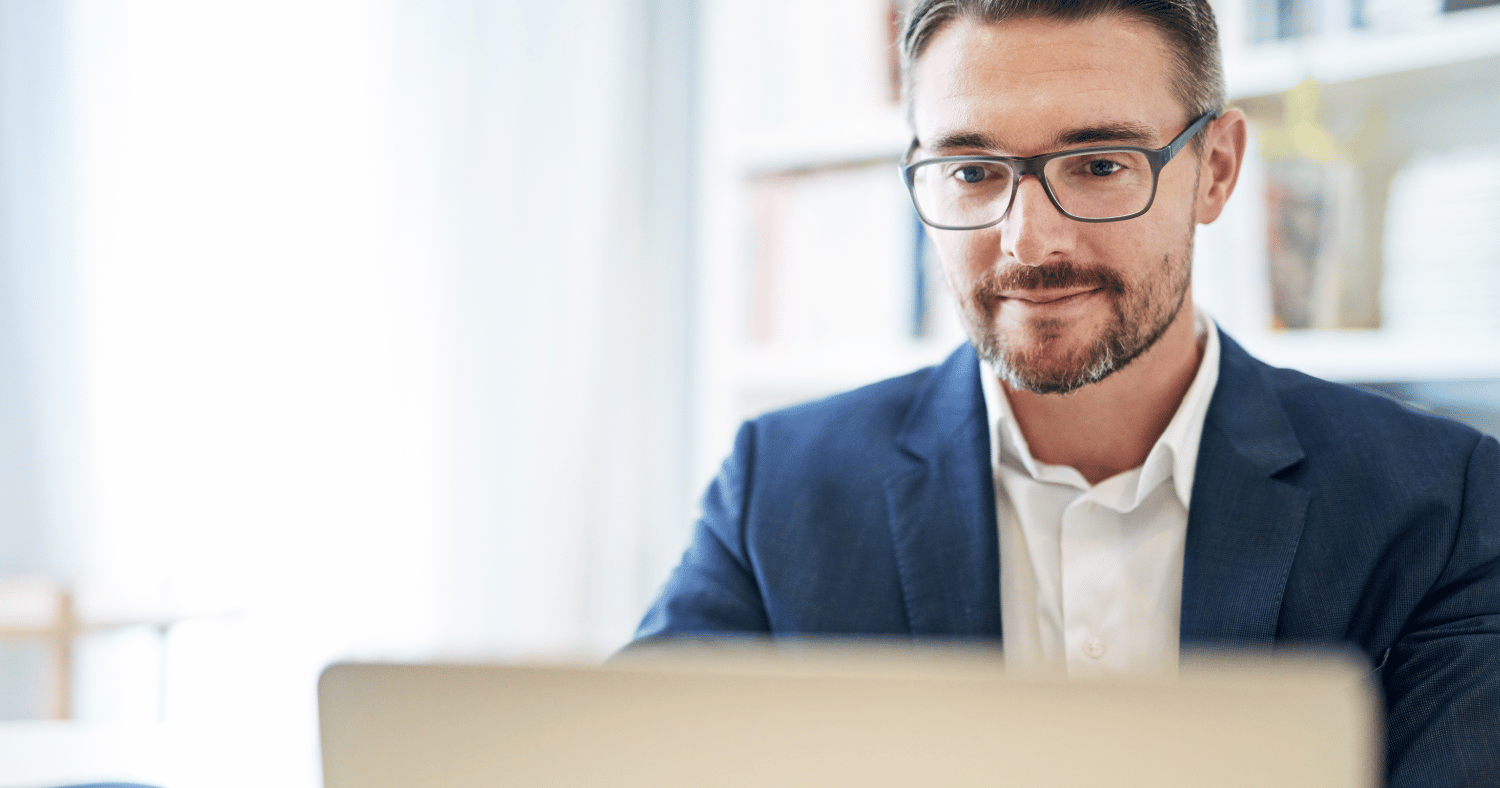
x: 1035, y: 232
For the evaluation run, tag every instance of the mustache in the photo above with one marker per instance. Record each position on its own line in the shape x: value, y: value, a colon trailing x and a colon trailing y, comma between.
x: 1052, y: 276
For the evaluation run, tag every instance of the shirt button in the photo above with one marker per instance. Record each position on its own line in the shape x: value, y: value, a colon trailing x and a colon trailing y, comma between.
x: 1093, y: 647
x: 1091, y: 507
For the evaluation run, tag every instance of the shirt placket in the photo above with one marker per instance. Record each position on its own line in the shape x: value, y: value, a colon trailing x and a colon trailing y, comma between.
x: 1091, y: 588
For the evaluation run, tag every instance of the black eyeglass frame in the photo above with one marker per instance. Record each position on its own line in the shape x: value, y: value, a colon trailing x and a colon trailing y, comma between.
x: 1035, y: 165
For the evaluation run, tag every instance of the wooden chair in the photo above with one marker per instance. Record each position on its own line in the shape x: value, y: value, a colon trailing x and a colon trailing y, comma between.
x: 39, y: 609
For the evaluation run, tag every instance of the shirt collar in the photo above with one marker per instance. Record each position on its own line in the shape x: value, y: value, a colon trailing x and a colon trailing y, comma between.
x: 1174, y: 455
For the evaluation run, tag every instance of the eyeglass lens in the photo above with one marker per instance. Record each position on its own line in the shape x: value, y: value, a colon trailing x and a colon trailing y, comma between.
x: 1092, y: 185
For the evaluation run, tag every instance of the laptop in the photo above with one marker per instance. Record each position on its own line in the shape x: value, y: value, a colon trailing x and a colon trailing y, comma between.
x: 740, y: 714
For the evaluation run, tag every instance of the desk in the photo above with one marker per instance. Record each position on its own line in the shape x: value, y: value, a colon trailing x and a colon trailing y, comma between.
x: 49, y: 753
x: 45, y: 754
x: 40, y: 609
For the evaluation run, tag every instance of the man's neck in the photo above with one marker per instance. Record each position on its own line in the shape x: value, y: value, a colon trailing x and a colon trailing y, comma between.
x: 1109, y: 427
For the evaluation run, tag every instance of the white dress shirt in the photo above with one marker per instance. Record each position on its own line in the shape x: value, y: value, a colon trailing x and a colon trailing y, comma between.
x: 1091, y: 576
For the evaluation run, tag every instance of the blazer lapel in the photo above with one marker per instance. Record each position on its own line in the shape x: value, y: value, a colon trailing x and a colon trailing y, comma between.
x: 942, y: 507
x: 1246, y: 518
x: 1243, y: 526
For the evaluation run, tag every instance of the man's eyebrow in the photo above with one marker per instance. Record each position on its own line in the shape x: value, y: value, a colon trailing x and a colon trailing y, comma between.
x: 1106, y: 133
x: 962, y: 139
x: 1110, y: 133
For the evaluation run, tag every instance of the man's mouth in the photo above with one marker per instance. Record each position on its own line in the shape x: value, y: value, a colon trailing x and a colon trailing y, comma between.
x: 1047, y: 296
x: 1052, y: 284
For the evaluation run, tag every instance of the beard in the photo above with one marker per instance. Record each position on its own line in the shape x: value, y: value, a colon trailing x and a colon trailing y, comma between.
x: 1050, y: 362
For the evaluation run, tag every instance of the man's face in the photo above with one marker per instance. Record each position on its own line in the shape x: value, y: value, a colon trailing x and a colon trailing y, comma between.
x: 1052, y: 302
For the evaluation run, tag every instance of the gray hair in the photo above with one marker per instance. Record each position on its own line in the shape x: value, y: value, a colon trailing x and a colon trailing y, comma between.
x: 1187, y: 25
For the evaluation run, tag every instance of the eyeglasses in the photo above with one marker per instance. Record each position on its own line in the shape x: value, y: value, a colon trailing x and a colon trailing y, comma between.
x: 1107, y: 184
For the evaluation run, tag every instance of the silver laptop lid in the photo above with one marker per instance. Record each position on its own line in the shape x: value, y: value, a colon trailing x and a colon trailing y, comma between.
x: 844, y: 715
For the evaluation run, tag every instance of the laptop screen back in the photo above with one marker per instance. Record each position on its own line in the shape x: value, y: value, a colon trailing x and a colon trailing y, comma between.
x: 843, y: 716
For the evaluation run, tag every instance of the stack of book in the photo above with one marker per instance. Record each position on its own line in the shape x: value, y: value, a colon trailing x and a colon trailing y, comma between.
x: 1442, y: 244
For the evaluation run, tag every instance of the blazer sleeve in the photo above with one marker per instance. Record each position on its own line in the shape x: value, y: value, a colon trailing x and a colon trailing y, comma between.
x: 1442, y: 676
x: 713, y: 589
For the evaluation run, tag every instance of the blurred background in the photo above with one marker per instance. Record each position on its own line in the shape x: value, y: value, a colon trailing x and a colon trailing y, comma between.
x: 392, y: 329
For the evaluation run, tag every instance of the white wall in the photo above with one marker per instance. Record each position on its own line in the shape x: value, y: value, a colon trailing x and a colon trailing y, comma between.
x: 557, y: 141
x: 381, y: 339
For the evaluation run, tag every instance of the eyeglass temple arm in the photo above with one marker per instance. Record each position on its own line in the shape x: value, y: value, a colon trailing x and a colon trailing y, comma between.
x: 910, y: 149
x: 1175, y: 146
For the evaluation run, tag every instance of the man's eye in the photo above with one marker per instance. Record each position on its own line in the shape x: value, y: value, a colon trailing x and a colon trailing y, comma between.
x: 1103, y: 167
x: 971, y: 173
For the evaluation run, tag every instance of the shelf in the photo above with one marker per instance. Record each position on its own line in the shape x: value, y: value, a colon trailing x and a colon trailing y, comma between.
x: 1459, y: 39
x: 1376, y: 356
x: 776, y: 377
x: 835, y: 367
x: 1429, y: 85
x: 1346, y: 356
x: 852, y: 141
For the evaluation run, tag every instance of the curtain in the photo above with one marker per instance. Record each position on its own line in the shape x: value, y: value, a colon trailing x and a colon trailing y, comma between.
x: 379, y: 326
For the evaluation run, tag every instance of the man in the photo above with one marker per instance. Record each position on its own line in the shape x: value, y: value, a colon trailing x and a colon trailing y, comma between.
x: 1100, y: 474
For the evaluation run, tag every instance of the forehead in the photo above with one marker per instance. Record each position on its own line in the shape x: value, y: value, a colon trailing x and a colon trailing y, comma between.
x: 1023, y: 82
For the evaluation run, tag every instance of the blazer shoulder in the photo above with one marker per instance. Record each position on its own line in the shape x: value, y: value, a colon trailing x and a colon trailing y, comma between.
x: 1278, y: 419
x: 1360, y: 435
x: 870, y: 413
x: 866, y: 431
x: 1317, y: 405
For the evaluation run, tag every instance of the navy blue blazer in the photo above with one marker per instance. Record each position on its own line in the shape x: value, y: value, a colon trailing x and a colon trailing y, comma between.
x: 1320, y: 514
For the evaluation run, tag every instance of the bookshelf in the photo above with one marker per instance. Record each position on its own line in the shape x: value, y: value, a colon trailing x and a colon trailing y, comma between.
x: 807, y: 284
x: 1444, y: 46
x: 1401, y: 97
x: 798, y: 102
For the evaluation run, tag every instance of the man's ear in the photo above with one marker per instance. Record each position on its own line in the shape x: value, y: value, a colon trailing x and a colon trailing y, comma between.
x: 1224, y: 151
